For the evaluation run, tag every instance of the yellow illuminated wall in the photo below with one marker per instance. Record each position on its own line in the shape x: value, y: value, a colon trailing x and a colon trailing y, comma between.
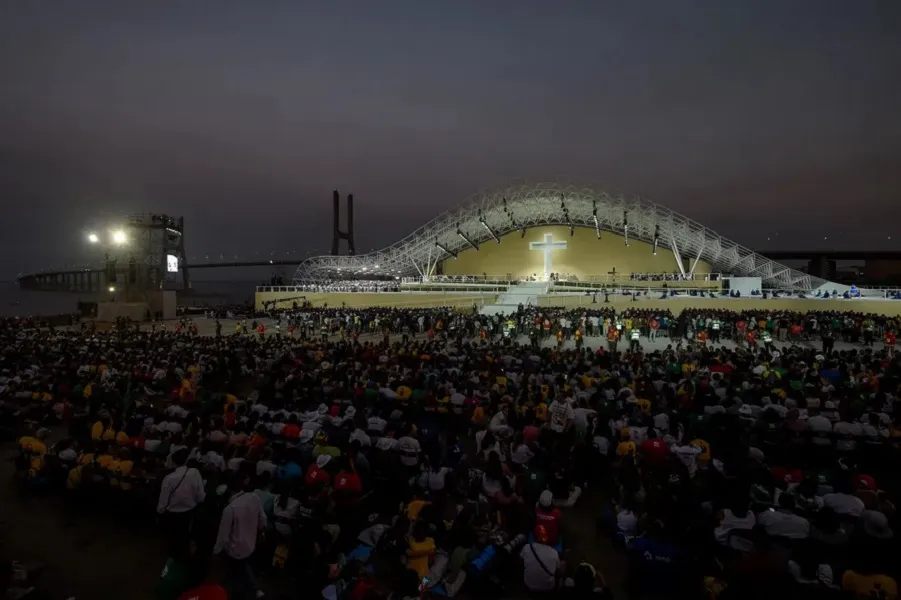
x: 585, y: 256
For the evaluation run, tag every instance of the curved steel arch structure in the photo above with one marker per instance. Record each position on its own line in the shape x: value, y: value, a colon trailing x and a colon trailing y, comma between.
x: 489, y: 215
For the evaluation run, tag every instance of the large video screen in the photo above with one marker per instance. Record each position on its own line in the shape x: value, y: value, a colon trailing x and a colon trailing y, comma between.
x: 171, y: 263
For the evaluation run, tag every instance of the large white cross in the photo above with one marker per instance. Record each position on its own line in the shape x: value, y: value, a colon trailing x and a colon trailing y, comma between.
x: 548, y: 245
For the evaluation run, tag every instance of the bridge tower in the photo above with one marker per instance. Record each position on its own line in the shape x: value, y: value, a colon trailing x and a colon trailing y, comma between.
x: 337, y: 234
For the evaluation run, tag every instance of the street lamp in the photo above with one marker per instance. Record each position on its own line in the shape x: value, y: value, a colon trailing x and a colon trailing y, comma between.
x: 119, y: 237
x: 93, y: 238
x: 112, y: 289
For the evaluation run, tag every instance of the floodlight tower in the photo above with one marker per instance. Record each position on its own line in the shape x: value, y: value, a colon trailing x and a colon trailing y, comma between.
x: 151, y: 248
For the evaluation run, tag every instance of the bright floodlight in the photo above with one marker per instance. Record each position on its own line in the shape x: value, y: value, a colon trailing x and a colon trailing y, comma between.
x: 112, y: 289
x: 93, y: 238
x: 119, y: 237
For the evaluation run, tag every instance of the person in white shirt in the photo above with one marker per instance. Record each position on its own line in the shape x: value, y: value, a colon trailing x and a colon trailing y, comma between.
x: 820, y: 427
x: 409, y: 449
x: 561, y: 413
x: 361, y: 436
x: 541, y: 563
x: 376, y: 425
x: 284, y: 511
x: 265, y: 464
x: 498, y: 423
x: 688, y: 454
x: 181, y: 492
x: 213, y: 459
x: 736, y: 518
x: 243, y: 520
x: 846, y: 436
x: 782, y: 522
x: 843, y: 502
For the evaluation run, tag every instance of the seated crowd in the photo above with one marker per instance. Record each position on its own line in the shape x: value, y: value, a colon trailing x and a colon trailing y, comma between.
x: 674, y: 276
x: 439, y: 464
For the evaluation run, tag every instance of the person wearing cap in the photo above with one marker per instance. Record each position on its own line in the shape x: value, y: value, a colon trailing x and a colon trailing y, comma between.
x: 548, y: 516
x: 542, y: 566
x: 317, y: 473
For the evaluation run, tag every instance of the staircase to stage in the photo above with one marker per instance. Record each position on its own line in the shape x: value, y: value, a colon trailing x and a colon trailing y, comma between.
x: 525, y: 293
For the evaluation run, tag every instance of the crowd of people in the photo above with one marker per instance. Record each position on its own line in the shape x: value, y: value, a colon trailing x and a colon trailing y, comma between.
x: 674, y: 276
x: 376, y: 452
x: 351, y: 285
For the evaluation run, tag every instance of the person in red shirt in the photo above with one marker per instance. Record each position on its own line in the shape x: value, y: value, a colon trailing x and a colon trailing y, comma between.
x: 862, y: 481
x: 548, y: 516
x: 740, y: 329
x: 230, y: 417
x: 291, y: 430
x: 752, y: 340
x: 259, y: 438
x: 612, y: 336
x: 207, y: 591
x: 348, y: 487
x: 654, y: 449
x: 788, y: 475
x: 530, y: 434
x: 316, y: 474
x: 890, y: 341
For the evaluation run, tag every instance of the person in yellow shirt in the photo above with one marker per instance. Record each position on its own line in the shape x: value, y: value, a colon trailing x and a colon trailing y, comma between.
x: 869, y: 585
x: 35, y: 447
x: 422, y: 549
x: 85, y: 458
x: 102, y: 429
x: 541, y: 412
x: 626, y: 446
x: 415, y: 507
x: 704, y: 456
x: 109, y: 434
x: 121, y: 468
x: 478, y: 417
x: 104, y: 458
x: 73, y: 481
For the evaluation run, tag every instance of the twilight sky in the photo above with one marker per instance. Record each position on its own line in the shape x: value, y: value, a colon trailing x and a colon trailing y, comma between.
x: 755, y: 117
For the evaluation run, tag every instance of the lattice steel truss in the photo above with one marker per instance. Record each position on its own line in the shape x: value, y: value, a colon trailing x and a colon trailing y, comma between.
x: 495, y: 213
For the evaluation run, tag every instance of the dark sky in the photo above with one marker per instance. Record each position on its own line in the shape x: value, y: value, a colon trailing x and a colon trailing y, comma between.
x: 755, y: 117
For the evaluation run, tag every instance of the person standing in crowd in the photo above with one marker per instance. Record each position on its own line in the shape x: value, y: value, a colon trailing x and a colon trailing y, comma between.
x: 243, y: 521
x: 181, y: 492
